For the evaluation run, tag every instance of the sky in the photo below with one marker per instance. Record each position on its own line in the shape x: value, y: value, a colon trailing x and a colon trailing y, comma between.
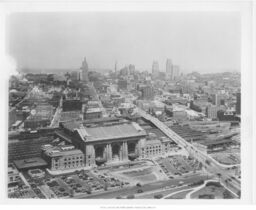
x: 206, y: 42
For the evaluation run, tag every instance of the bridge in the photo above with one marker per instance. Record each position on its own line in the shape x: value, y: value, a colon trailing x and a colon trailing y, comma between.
x: 210, y: 163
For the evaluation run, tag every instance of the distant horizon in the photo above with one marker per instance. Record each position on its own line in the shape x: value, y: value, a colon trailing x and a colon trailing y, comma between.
x: 104, y: 70
x: 195, y: 41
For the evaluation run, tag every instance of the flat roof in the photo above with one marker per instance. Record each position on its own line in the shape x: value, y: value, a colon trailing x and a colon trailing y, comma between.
x: 93, y: 110
x: 116, y: 131
x: 58, y: 153
x: 64, y: 136
x: 29, y: 163
x: 212, y: 142
x: 153, y: 141
x: 12, y: 169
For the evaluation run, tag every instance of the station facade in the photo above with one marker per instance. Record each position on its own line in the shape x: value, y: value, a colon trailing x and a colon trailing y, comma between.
x: 106, y: 142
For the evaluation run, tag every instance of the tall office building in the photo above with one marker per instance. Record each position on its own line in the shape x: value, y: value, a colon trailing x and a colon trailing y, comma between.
x: 168, y: 67
x: 131, y: 69
x: 238, y: 103
x: 84, y: 71
x: 122, y: 84
x: 124, y: 71
x: 218, y: 99
x: 147, y: 92
x: 175, y: 72
x: 116, y: 68
x: 155, y: 68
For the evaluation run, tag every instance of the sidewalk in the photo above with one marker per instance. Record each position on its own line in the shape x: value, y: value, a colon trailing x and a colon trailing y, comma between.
x: 67, y: 171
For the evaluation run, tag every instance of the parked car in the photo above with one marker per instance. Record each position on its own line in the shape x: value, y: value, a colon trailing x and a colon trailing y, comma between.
x: 139, y: 191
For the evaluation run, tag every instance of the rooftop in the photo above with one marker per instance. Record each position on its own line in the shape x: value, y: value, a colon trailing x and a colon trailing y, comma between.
x: 212, y: 143
x: 29, y: 163
x: 93, y: 110
x: 153, y: 141
x: 108, y: 131
x: 12, y: 169
x: 64, y: 150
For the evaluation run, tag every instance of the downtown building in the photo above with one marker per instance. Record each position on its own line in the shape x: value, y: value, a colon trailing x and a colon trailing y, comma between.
x: 83, y: 74
x: 155, y: 69
x: 218, y: 99
x: 238, y: 103
x: 175, y: 72
x: 169, y: 69
x: 147, y: 92
x: 211, y: 111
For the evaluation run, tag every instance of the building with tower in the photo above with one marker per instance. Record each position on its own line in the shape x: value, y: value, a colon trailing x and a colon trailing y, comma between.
x: 84, y: 71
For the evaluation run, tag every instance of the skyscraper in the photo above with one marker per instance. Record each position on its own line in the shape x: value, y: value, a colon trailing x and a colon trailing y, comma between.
x: 131, y: 69
x: 116, y: 68
x: 238, y: 103
x: 155, y: 68
x: 175, y: 72
x: 168, y: 67
x: 84, y: 71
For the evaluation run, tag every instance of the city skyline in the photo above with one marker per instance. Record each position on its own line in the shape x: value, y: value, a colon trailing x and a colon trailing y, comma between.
x: 209, y: 44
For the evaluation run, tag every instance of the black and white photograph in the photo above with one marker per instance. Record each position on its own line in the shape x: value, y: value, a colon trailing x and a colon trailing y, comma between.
x: 125, y: 105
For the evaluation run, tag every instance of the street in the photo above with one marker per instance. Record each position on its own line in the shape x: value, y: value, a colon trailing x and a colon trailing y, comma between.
x: 211, y: 164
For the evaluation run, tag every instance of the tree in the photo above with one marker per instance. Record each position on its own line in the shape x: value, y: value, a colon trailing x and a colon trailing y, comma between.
x: 106, y: 186
x: 239, y: 194
x: 219, y: 176
x: 158, y: 196
x: 71, y: 193
x: 226, y: 182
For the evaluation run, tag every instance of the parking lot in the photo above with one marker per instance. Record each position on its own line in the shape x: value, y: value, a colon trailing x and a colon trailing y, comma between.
x: 178, y: 165
x: 227, y: 158
x: 74, y: 184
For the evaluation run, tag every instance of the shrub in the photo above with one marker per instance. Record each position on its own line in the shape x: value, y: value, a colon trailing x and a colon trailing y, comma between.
x: 130, y: 196
x: 215, y: 184
x: 206, y: 196
x: 227, y: 195
x: 158, y: 196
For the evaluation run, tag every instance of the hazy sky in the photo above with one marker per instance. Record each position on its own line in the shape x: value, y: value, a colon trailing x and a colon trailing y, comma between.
x: 202, y: 41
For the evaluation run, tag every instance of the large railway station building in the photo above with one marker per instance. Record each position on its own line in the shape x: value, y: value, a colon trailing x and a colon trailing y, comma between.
x: 105, y: 141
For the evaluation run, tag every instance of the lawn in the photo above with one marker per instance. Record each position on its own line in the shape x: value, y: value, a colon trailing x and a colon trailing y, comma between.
x: 212, y: 191
x: 180, y: 195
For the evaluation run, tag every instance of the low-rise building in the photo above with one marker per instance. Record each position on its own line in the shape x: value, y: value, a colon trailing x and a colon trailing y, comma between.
x: 63, y: 157
x: 214, y: 146
x: 212, y: 111
x: 13, y: 174
x: 93, y: 113
x: 30, y: 163
x: 155, y: 146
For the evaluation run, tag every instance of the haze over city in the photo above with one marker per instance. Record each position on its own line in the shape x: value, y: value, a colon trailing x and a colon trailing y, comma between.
x: 86, y: 121
x: 196, y: 41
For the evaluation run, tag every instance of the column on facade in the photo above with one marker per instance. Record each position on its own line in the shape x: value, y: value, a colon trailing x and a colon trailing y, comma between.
x: 124, y: 151
x: 121, y: 152
x: 137, y: 149
x: 139, y: 146
x: 105, y: 152
x: 109, y: 152
x: 90, y: 155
